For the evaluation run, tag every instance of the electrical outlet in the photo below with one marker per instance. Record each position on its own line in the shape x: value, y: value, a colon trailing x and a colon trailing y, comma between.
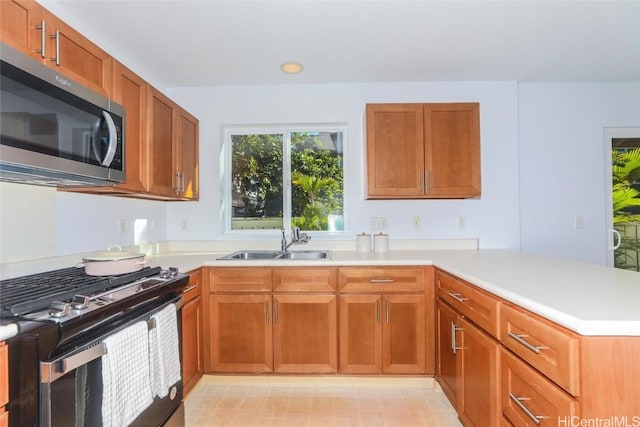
x: 122, y: 226
x: 378, y: 223
x: 416, y: 223
x: 462, y: 222
x: 578, y: 222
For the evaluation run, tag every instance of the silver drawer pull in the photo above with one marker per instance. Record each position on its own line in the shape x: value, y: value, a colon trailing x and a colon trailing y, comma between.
x: 519, y: 339
x: 537, y: 419
x: 458, y: 297
x: 189, y: 289
x: 381, y: 280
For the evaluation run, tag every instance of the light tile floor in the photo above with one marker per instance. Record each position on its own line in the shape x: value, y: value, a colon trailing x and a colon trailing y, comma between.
x: 324, y: 401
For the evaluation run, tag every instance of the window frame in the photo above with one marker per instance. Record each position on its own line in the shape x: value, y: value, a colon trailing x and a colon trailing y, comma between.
x: 286, y: 130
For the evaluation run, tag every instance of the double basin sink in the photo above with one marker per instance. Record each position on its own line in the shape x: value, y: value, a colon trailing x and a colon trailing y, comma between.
x: 274, y: 255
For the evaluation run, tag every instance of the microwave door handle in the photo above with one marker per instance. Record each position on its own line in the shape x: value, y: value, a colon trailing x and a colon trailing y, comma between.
x: 113, y: 139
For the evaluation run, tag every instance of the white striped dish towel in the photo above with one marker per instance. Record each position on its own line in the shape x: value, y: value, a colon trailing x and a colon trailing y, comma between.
x: 125, y: 376
x: 165, y: 351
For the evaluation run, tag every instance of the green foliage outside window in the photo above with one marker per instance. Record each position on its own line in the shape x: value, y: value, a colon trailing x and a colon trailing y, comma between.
x: 316, y: 177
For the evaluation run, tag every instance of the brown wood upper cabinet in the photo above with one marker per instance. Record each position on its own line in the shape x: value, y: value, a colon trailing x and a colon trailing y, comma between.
x: 161, y: 143
x: 35, y: 31
x: 419, y: 151
x: 173, y: 149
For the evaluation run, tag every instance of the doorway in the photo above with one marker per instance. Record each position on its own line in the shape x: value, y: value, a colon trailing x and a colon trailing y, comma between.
x: 622, y: 179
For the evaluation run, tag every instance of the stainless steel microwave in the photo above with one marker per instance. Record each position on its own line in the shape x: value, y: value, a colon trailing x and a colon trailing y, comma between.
x: 54, y: 131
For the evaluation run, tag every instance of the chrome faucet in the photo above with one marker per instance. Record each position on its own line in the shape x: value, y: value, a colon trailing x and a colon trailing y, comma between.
x: 297, y: 238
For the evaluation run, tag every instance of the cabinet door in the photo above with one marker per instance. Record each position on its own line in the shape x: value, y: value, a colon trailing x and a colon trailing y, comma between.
x: 191, y: 343
x: 76, y: 57
x: 21, y: 27
x: 361, y: 334
x: 161, y: 122
x: 130, y: 91
x: 452, y: 149
x: 305, y: 333
x: 479, y: 401
x: 448, y: 352
x: 241, y: 333
x: 395, y: 150
x: 187, y: 156
x: 403, y: 334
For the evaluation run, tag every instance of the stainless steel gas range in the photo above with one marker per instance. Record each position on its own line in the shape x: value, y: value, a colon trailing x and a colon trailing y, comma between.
x: 95, y: 351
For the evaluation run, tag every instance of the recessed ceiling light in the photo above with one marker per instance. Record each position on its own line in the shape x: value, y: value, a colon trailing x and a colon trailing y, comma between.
x: 291, y: 67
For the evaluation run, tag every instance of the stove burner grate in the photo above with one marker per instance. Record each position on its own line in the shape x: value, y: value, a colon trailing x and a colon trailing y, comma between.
x: 26, y: 294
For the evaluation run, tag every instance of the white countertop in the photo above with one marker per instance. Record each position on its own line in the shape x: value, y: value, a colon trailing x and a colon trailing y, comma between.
x: 586, y: 298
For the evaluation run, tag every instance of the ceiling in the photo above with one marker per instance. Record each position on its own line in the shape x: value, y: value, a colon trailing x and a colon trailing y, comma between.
x: 209, y: 42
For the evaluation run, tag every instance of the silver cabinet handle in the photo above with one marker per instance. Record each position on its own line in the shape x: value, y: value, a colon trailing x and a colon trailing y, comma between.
x: 454, y: 344
x: 266, y: 313
x: 378, y: 311
x: 430, y: 181
x: 537, y: 419
x: 275, y: 312
x: 422, y: 181
x: 57, y: 37
x: 381, y: 280
x: 388, y: 310
x: 458, y: 297
x: 43, y: 39
x: 519, y: 338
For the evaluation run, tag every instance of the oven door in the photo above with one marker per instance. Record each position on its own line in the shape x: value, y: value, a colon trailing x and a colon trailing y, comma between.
x: 71, y: 389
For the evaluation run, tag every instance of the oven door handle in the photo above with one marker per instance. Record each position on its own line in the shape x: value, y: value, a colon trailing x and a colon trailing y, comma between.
x: 51, y: 371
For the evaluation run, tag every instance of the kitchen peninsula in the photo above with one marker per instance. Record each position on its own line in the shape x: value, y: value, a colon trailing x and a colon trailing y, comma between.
x: 582, y: 315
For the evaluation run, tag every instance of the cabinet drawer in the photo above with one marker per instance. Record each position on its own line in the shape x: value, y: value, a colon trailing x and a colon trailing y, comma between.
x: 381, y: 279
x: 194, y: 288
x: 254, y: 279
x: 474, y: 304
x: 528, y: 396
x: 543, y: 345
x: 306, y: 279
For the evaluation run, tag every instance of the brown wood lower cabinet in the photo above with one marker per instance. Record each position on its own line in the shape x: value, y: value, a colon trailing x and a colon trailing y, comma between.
x: 448, y: 349
x: 4, y: 384
x: 192, y: 334
x: 382, y: 334
x: 479, y: 384
x: 241, y: 333
x: 305, y: 333
x: 467, y: 368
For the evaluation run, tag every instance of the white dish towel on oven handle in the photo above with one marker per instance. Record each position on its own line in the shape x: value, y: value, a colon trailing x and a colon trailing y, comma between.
x: 125, y: 376
x: 164, y: 350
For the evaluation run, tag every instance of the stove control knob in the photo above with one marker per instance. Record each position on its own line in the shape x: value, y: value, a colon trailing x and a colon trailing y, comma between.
x: 59, y: 309
x: 173, y: 271
x: 164, y: 274
x: 80, y: 302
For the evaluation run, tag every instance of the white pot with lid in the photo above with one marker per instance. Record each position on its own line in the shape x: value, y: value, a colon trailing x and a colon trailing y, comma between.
x: 113, y: 261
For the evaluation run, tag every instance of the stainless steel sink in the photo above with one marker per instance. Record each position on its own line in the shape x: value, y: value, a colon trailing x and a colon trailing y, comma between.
x: 248, y: 255
x: 304, y: 255
x: 267, y: 255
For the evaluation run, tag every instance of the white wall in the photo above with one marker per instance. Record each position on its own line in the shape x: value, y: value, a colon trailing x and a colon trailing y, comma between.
x: 41, y: 222
x: 562, y: 163
x: 493, y: 218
